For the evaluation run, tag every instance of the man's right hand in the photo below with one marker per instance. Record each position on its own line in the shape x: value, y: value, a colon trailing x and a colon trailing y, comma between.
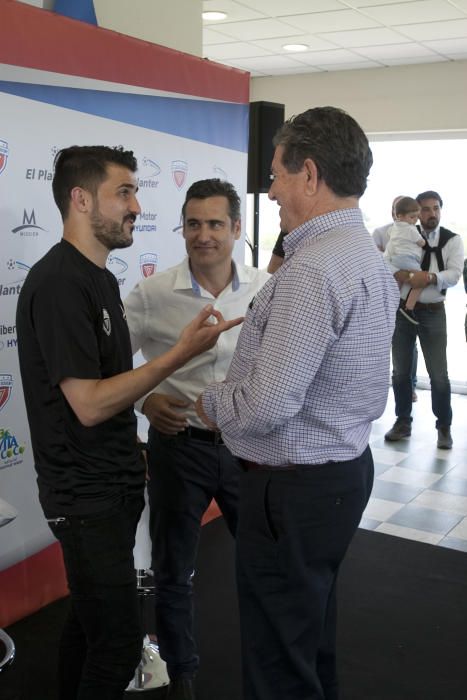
x: 201, y: 334
x: 417, y: 279
x: 165, y: 414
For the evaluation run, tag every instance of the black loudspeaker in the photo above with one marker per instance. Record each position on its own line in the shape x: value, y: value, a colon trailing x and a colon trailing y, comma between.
x: 265, y: 120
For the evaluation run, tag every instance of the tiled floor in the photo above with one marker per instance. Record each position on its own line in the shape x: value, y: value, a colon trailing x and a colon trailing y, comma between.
x: 420, y: 492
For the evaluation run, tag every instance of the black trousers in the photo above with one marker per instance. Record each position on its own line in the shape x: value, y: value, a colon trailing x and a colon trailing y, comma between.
x: 101, y: 642
x: 185, y: 474
x: 293, y: 531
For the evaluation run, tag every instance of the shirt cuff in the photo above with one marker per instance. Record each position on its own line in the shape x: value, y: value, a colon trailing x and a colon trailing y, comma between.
x: 439, y: 281
x: 207, y: 402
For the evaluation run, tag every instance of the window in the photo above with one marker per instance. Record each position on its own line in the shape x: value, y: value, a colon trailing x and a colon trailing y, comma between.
x: 405, y: 166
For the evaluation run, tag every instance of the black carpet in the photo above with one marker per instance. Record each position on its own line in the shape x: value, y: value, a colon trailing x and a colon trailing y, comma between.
x: 402, y: 625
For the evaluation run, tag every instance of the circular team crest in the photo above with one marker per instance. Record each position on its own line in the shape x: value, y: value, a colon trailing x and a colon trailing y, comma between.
x: 3, y: 155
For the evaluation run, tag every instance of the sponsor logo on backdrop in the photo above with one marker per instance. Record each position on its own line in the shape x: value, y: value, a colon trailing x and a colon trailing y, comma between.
x: 29, y: 227
x: 13, y: 287
x: 117, y: 267
x: 7, y: 336
x: 11, y: 450
x: 6, y: 385
x: 179, y: 227
x: 148, y: 264
x: 4, y: 152
x: 221, y: 174
x: 150, y: 172
x: 146, y: 222
x: 40, y: 174
x: 179, y: 172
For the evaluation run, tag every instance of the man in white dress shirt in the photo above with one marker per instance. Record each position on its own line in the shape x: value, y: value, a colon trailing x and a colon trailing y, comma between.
x: 188, y: 464
x: 441, y: 268
x: 381, y: 236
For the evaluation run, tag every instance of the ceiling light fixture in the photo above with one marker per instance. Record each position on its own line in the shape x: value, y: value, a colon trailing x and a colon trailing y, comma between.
x: 295, y: 47
x: 213, y: 16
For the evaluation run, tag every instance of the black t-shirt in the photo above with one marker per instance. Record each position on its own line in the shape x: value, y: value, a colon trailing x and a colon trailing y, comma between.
x: 71, y: 323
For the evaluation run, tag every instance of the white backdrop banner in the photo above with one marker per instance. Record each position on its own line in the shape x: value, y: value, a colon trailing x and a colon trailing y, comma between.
x: 184, y: 118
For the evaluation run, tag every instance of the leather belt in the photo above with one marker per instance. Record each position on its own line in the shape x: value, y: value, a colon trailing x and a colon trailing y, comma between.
x: 205, y: 435
x: 435, y: 306
x: 248, y: 466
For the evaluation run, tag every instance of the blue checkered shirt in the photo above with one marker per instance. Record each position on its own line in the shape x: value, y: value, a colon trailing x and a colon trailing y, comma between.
x: 311, y: 368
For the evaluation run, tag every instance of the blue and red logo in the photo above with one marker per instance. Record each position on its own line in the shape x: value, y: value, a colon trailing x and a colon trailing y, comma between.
x: 179, y: 172
x: 6, y: 385
x: 148, y: 264
x: 3, y: 155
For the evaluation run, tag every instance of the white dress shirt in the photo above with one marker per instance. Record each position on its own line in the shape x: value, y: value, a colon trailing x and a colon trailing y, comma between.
x: 160, y: 306
x: 453, y: 258
x: 381, y: 236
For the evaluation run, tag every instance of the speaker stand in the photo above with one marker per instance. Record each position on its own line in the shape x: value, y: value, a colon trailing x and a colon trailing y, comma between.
x: 255, y: 249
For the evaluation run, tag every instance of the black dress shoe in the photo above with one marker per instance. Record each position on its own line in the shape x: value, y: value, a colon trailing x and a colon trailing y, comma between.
x: 444, y: 438
x: 402, y: 428
x: 181, y: 689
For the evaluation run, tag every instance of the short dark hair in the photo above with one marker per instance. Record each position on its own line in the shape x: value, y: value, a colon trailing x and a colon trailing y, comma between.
x: 406, y: 205
x: 336, y: 144
x: 86, y: 167
x: 429, y: 194
x: 214, y: 187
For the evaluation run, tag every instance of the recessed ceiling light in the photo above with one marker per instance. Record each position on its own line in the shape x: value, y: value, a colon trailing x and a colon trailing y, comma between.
x: 295, y: 47
x: 213, y: 16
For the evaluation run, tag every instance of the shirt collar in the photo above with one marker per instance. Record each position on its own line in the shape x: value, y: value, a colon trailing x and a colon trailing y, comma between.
x: 433, y: 234
x: 320, y: 224
x: 184, y: 278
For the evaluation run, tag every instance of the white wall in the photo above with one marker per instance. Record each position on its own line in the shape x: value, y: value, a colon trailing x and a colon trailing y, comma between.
x: 428, y: 97
x: 174, y: 23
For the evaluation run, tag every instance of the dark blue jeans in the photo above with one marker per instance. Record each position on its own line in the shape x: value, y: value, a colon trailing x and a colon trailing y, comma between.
x: 433, y: 341
x: 294, y: 528
x: 185, y: 474
x: 414, y: 367
x: 102, y: 639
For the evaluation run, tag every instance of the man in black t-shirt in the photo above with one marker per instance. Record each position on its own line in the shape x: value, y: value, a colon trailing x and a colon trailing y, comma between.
x: 79, y: 388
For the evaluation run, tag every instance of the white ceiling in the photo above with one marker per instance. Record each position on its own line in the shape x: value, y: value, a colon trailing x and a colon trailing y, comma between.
x: 340, y: 34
